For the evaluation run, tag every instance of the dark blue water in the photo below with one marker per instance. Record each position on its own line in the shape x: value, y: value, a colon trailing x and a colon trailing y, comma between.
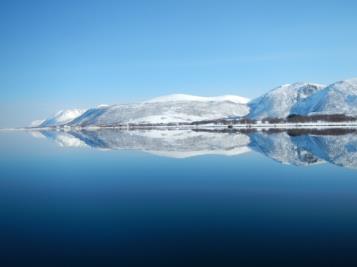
x: 75, y: 206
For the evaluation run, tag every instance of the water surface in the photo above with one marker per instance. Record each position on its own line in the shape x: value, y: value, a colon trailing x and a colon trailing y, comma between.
x: 178, y: 198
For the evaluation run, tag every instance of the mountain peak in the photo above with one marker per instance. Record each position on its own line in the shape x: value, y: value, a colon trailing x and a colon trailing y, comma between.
x: 62, y: 117
x: 185, y: 97
x: 279, y: 102
x: 337, y: 98
x: 301, y: 98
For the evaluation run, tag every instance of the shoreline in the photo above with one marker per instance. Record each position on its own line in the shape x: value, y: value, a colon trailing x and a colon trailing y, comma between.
x: 262, y: 126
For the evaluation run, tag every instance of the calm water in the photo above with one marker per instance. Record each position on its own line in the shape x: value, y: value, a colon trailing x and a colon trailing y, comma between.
x: 178, y: 198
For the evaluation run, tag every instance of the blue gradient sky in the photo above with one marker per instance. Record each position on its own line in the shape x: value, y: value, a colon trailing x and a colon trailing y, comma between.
x: 63, y: 54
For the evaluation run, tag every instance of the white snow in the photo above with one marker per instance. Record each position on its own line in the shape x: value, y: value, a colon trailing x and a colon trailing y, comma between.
x: 307, y: 99
x: 298, y: 98
x: 337, y: 98
x: 160, y: 112
x: 62, y: 117
x: 36, y: 123
x: 184, y: 97
x: 279, y: 102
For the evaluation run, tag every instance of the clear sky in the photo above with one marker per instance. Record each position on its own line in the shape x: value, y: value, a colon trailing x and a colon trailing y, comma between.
x: 63, y: 54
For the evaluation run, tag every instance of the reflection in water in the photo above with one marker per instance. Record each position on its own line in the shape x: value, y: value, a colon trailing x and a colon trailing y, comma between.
x: 295, y: 147
x: 282, y: 148
x: 170, y: 143
x: 78, y: 206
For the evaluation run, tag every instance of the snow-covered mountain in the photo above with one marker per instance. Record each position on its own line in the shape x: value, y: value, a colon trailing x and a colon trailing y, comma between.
x: 298, y: 98
x: 36, y: 123
x: 337, y: 98
x: 177, y: 108
x: 168, y: 109
x: 279, y: 102
x: 192, y: 98
x: 307, y: 99
x: 60, y: 118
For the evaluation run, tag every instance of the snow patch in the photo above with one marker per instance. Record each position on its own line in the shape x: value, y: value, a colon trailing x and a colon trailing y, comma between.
x: 184, y: 97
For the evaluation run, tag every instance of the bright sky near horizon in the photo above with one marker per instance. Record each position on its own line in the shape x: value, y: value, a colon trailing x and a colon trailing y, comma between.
x: 63, y: 54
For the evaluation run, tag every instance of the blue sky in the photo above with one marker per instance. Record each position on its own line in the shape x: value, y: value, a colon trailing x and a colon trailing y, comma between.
x: 62, y: 54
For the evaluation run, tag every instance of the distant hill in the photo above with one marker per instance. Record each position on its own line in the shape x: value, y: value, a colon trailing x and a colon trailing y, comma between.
x: 298, y: 102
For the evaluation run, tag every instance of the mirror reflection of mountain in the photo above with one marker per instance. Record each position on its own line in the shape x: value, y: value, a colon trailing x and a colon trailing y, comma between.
x: 282, y: 148
x: 299, y: 147
x: 170, y: 143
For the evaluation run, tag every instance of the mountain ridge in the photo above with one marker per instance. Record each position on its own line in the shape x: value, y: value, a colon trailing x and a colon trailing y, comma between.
x: 178, y: 108
x: 301, y: 98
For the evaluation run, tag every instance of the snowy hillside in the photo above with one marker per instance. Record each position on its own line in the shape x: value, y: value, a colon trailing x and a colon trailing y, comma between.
x: 178, y: 108
x: 298, y: 98
x: 337, y: 98
x: 279, y: 102
x: 163, y: 110
x: 36, y: 123
x: 60, y: 118
x: 191, y: 98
